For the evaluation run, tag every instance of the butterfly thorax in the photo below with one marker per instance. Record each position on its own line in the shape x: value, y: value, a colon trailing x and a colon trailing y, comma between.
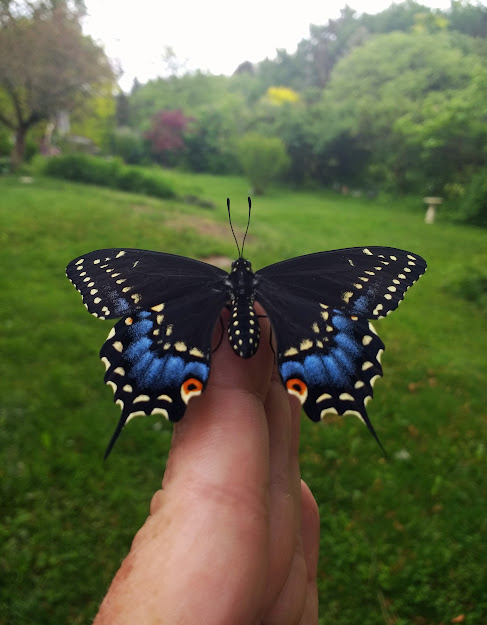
x: 243, y: 326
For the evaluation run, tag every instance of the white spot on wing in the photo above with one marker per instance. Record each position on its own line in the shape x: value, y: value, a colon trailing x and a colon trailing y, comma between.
x: 323, y: 397
x: 292, y: 351
x: 306, y: 344
x: 140, y: 398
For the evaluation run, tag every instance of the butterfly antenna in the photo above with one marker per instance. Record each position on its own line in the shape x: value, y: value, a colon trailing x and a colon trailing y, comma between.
x: 231, y: 227
x: 248, y: 224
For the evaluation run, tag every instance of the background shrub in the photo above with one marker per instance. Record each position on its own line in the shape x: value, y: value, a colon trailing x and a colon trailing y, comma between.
x: 128, y: 145
x: 472, y: 208
x: 263, y: 160
x: 108, y: 173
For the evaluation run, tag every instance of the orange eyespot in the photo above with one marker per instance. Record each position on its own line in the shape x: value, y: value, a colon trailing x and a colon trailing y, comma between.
x: 191, y: 388
x: 298, y: 388
x: 129, y: 321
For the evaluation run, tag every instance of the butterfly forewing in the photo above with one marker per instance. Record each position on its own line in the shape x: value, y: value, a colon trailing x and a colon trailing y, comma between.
x: 365, y: 281
x: 116, y: 282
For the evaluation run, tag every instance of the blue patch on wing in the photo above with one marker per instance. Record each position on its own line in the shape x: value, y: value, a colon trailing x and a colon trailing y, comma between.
x: 347, y: 344
x: 361, y: 305
x: 291, y: 369
x: 141, y: 328
x: 334, y: 366
x: 336, y: 375
x: 137, y: 349
x: 151, y: 370
x: 318, y: 370
x: 139, y: 370
x: 121, y: 306
x: 197, y: 369
x: 314, y: 369
x: 342, y: 323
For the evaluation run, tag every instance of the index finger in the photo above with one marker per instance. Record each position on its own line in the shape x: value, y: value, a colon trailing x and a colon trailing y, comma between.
x: 225, y: 428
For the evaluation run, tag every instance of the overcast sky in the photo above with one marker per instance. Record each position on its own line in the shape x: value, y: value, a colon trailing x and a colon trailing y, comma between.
x: 212, y: 35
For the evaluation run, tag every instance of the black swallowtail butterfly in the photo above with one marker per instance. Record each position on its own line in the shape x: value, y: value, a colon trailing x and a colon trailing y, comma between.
x: 157, y: 357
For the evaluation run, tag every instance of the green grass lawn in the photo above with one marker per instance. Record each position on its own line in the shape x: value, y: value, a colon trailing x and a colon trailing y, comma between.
x: 402, y: 541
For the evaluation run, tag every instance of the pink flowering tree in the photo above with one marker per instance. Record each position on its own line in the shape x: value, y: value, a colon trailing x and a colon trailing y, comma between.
x: 166, y: 135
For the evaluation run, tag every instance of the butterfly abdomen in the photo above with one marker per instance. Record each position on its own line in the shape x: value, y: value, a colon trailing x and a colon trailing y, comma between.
x: 243, y: 326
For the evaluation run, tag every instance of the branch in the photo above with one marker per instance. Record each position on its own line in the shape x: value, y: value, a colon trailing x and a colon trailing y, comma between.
x: 6, y: 122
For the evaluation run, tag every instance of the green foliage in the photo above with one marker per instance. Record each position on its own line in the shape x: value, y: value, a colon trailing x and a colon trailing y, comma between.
x: 6, y: 142
x: 217, y: 118
x: 400, y: 17
x: 46, y: 66
x: 210, y: 146
x: 128, y: 144
x: 294, y: 126
x: 472, y: 206
x: 392, y: 75
x: 108, y: 173
x: 402, y: 541
x: 448, y: 129
x: 471, y: 285
x: 189, y: 93
x: 393, y: 101
x: 96, y: 118
x: 468, y: 18
x: 263, y: 160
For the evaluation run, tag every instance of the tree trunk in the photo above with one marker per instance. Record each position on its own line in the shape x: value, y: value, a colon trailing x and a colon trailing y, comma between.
x: 18, y: 150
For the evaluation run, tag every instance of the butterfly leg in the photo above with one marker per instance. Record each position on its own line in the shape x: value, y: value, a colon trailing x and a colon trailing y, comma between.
x: 271, y: 336
x: 222, y: 329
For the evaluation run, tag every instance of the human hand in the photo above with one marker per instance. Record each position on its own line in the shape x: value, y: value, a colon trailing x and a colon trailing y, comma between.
x: 233, y: 536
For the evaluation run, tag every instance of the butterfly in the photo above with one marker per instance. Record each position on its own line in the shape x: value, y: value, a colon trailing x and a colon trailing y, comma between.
x: 158, y: 355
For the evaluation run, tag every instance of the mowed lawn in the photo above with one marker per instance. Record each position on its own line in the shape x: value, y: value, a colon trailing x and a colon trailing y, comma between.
x: 402, y: 541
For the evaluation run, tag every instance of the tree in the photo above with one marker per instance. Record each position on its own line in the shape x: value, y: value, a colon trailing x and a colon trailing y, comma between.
x: 327, y: 44
x: 263, y: 160
x: 210, y: 146
x: 401, y: 17
x: 467, y: 18
x: 386, y: 79
x: 449, y: 128
x: 46, y: 65
x: 166, y: 134
x: 190, y: 93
